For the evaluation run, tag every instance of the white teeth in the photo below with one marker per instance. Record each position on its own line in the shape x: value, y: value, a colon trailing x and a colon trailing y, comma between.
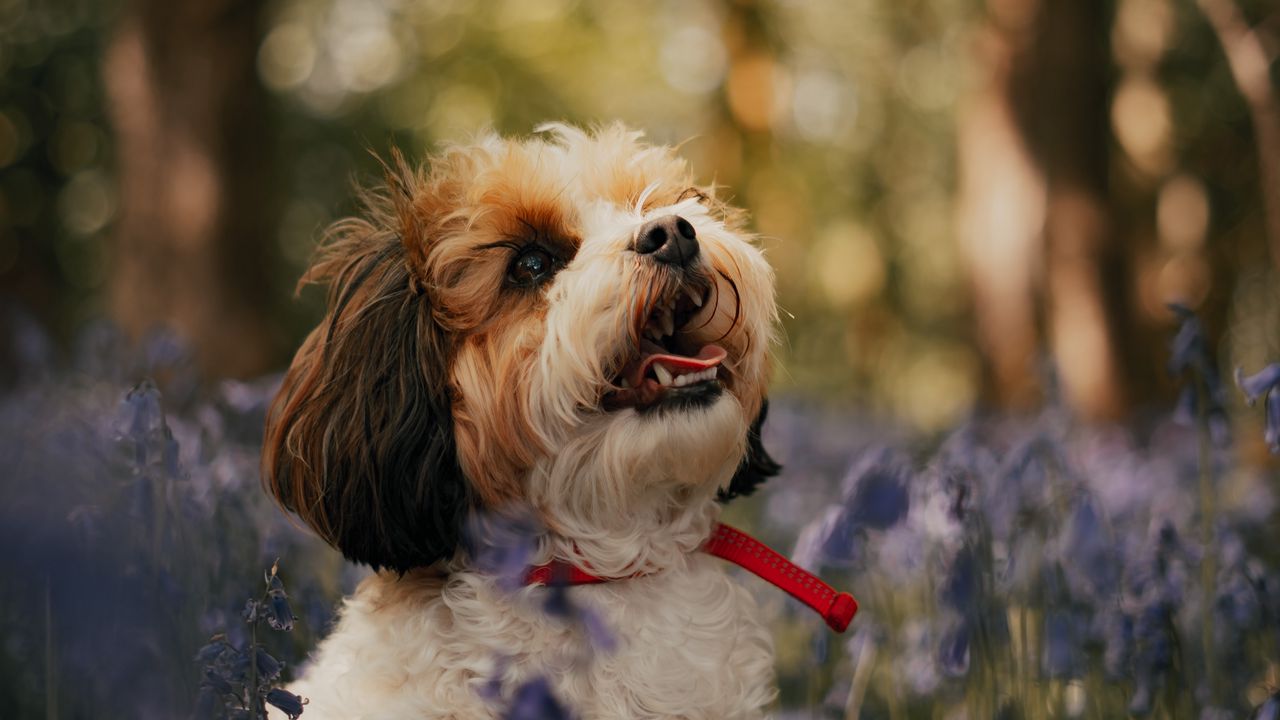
x: 652, y: 333
x: 626, y: 383
x: 664, y: 375
x: 668, y: 323
x: 695, y: 296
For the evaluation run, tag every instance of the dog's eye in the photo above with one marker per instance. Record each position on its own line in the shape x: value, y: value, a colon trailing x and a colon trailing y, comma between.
x: 533, y: 266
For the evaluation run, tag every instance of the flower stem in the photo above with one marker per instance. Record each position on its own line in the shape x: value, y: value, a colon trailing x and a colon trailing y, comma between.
x: 253, y: 670
x: 50, y: 666
x: 1208, y: 510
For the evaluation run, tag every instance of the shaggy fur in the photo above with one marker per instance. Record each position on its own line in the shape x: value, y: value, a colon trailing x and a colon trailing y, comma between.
x: 444, y: 383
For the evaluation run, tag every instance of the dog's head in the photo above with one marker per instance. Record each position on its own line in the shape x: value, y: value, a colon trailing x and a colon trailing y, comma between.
x: 566, y: 321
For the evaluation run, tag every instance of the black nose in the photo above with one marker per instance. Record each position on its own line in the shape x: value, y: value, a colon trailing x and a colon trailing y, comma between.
x: 670, y: 239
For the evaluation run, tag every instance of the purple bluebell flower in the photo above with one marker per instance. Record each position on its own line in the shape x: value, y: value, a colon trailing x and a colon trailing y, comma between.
x: 218, y: 681
x: 1238, y: 604
x: 1258, y: 384
x: 534, y: 700
x: 287, y: 702
x: 1155, y: 639
x: 959, y: 590
x: 213, y: 650
x: 503, y: 544
x: 1015, y: 494
x: 208, y: 702
x: 1189, y: 351
x: 1269, y: 709
x: 1117, y: 637
x: 557, y: 603
x: 269, y: 668
x: 278, y: 613
x: 875, y: 497
x: 1063, y: 656
x: 252, y: 612
x: 491, y: 688
x: 1263, y: 385
x: 276, y: 608
x: 1089, y: 555
x: 840, y: 544
x: 142, y: 411
x: 875, y: 491
x: 830, y: 540
x: 598, y: 633
x: 953, y: 650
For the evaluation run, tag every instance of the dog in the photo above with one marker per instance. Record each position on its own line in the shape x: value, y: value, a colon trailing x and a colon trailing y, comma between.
x: 567, y: 323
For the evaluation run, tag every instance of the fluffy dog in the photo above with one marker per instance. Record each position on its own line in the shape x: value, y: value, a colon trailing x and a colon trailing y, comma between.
x: 567, y: 323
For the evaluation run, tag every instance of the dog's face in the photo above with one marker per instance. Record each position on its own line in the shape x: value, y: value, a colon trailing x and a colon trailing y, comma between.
x: 566, y: 322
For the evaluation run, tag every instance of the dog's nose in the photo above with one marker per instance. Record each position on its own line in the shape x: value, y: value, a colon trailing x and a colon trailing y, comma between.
x: 670, y: 239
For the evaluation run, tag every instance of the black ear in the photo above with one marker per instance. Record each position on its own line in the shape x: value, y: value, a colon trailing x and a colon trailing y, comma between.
x: 757, y: 466
x: 359, y: 441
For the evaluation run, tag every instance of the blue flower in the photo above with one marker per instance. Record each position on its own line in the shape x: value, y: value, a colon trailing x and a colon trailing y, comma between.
x: 875, y: 497
x: 1268, y: 710
x: 503, y: 544
x: 960, y: 588
x: 491, y: 689
x: 268, y: 667
x: 1089, y: 554
x: 276, y: 608
x: 535, y: 701
x: 1155, y: 640
x: 953, y: 651
x: 252, y: 611
x: 1189, y: 351
x: 1063, y: 655
x: 218, y: 682
x: 1258, y: 384
x: 279, y: 614
x: 1263, y: 385
x: 829, y: 540
x: 1117, y: 637
x: 558, y: 604
x: 876, y: 492
x: 214, y: 650
x: 287, y: 702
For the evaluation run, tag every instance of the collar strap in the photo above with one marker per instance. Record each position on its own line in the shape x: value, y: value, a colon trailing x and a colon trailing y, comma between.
x: 739, y: 548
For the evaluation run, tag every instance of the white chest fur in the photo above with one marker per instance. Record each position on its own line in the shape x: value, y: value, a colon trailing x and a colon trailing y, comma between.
x: 687, y: 644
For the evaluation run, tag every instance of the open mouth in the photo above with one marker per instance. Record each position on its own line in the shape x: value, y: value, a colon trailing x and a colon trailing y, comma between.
x: 671, y: 367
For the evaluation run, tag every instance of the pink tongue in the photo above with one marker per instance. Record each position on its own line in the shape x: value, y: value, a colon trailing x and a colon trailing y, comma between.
x: 708, y: 356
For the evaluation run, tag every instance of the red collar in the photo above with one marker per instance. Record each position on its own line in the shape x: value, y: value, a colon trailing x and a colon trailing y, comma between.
x: 739, y: 548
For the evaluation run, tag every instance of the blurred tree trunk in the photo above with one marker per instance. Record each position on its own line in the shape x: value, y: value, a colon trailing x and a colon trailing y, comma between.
x: 194, y: 246
x: 1066, y: 104
x: 1250, y: 65
x: 1034, y: 153
x: 1002, y: 198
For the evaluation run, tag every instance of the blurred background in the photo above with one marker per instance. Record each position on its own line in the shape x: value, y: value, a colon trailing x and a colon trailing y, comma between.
x: 975, y: 208
x: 957, y: 195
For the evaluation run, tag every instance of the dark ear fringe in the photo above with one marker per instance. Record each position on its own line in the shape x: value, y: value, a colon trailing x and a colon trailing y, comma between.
x: 757, y: 466
x: 359, y: 441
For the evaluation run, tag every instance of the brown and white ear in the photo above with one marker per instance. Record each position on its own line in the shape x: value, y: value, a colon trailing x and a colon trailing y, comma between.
x: 359, y: 440
x: 757, y: 466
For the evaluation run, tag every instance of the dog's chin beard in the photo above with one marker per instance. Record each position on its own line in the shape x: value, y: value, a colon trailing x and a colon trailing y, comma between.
x: 671, y: 365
